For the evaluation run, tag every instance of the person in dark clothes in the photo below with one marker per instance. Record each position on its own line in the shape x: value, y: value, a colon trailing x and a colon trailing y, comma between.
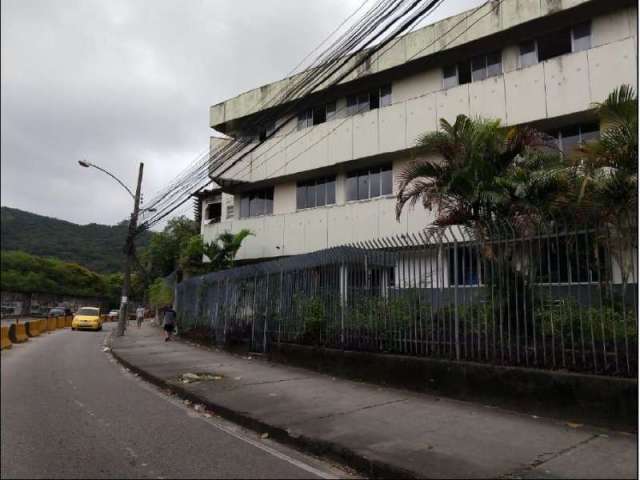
x: 169, y: 323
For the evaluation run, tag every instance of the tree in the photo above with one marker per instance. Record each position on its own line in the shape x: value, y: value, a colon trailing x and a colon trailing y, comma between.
x: 162, y: 256
x: 605, y: 171
x: 480, y: 171
x: 222, y: 251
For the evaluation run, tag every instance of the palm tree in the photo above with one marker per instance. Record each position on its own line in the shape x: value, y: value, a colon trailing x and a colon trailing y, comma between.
x: 480, y: 173
x: 222, y: 251
x: 606, y: 171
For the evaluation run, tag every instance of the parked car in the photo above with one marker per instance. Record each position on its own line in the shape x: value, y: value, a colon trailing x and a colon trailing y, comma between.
x: 113, y: 315
x: 87, y: 318
x: 56, y: 312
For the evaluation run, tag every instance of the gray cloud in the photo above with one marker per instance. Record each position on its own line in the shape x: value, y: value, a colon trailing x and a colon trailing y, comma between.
x: 123, y: 81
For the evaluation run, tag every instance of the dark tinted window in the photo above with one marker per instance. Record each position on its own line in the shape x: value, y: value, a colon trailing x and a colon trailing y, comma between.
x: 479, y: 68
x: 331, y: 191
x: 369, y: 183
x: 582, y: 37
x: 528, y: 53
x: 386, y: 180
x: 331, y: 111
x: 363, y: 185
x: 316, y: 193
x: 374, y: 184
x: 385, y: 96
x: 319, y: 115
x: 374, y: 99
x: 244, y: 206
x: 352, y: 187
x: 450, y: 76
x: 352, y: 104
x: 554, y: 44
x: 256, y: 203
x: 494, y: 64
x: 464, y: 73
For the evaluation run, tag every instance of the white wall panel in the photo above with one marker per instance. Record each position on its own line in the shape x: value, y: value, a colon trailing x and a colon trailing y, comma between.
x: 453, y: 102
x: 567, y: 84
x: 610, y: 66
x: 365, y: 134
x: 526, y: 99
x: 487, y: 98
x: 392, y: 128
x: 421, y: 117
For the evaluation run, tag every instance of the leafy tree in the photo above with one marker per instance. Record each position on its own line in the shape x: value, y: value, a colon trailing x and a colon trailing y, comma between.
x: 605, y: 171
x: 160, y: 293
x: 222, y: 251
x: 473, y: 172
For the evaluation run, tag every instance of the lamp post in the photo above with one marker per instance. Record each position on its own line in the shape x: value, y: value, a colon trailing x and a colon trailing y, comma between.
x: 129, y: 247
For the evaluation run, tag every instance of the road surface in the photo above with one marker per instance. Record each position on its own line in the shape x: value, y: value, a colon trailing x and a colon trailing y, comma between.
x: 70, y: 411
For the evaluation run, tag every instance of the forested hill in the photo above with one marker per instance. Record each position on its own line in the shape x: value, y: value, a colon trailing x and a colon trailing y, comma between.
x: 97, y: 247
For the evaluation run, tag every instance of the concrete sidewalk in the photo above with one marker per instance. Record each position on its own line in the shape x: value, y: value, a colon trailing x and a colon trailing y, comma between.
x: 380, y: 431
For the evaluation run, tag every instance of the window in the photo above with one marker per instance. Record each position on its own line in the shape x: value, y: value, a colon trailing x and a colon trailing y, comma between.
x: 229, y: 212
x: 305, y: 119
x: 370, y: 183
x: 494, y: 64
x: 266, y: 132
x: 528, y: 53
x: 331, y: 111
x: 561, y: 42
x: 450, y: 76
x: 385, y: 95
x: 363, y: 102
x: 464, y: 266
x: 256, y: 203
x: 582, y: 37
x: 213, y: 213
x: 569, y: 137
x: 479, y: 68
x: 352, y: 104
x: 319, y: 115
x: 316, y: 193
x: 554, y: 44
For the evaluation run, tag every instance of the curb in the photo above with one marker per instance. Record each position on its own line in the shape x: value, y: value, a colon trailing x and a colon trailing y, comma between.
x: 329, y: 450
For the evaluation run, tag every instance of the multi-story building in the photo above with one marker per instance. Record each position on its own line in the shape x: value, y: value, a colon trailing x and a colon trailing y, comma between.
x: 328, y: 178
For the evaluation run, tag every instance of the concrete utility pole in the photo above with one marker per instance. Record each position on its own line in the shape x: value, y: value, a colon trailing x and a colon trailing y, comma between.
x: 129, y: 250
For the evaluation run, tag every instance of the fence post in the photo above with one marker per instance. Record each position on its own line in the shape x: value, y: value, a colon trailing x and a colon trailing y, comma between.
x: 456, y: 319
x: 343, y: 299
x: 266, y: 318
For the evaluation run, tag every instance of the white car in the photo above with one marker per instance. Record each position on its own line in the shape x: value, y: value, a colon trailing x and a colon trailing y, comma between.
x: 113, y: 315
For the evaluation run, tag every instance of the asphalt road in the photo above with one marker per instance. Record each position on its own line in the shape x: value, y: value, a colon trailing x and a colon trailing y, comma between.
x: 69, y: 410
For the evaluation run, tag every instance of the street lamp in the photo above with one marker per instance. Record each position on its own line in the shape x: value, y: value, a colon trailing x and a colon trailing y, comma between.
x: 129, y: 247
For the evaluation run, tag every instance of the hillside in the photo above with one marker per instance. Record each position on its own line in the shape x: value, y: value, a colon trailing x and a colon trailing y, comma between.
x: 97, y: 247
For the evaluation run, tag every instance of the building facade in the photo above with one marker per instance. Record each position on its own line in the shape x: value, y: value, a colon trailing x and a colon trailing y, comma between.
x: 328, y: 178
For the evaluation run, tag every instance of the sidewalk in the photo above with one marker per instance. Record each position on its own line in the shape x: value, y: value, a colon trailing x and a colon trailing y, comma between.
x: 380, y: 431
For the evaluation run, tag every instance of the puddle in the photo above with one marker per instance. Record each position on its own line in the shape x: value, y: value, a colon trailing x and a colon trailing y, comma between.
x: 190, y: 377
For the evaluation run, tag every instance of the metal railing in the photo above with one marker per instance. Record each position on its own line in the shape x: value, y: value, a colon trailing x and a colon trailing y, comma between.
x: 551, y: 295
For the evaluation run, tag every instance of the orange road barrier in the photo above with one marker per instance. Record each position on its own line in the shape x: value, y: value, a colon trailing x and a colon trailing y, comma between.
x: 18, y: 333
x: 5, y: 341
x: 51, y: 324
x: 33, y: 328
x: 43, y: 325
x: 67, y: 320
x: 59, y: 322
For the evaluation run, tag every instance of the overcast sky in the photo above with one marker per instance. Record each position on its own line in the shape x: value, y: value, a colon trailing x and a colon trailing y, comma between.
x: 123, y: 81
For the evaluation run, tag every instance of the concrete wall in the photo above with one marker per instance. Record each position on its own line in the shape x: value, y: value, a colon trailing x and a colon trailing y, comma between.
x: 560, y: 86
x: 449, y: 33
x: 556, y: 87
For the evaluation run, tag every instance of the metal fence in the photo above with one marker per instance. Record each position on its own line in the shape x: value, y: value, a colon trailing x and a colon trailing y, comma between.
x: 552, y: 296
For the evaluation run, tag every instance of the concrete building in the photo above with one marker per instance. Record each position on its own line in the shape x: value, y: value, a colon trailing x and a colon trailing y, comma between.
x: 329, y: 178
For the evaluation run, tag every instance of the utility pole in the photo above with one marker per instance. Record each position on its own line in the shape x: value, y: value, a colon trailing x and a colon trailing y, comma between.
x: 129, y: 250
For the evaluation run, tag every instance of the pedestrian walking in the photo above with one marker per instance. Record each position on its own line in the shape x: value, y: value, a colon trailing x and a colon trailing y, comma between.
x: 139, y: 315
x: 169, y: 323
